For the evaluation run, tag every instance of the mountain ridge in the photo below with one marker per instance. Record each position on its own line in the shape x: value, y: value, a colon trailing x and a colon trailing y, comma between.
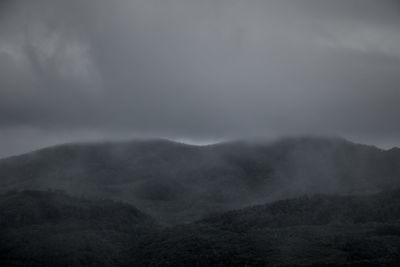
x: 175, y: 182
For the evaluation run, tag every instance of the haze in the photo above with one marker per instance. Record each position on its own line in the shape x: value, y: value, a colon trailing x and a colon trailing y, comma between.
x: 198, y: 71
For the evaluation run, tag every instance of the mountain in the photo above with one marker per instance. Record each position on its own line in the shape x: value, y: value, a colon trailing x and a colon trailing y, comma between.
x: 319, y: 230
x: 19, y: 209
x: 52, y: 229
x: 179, y: 183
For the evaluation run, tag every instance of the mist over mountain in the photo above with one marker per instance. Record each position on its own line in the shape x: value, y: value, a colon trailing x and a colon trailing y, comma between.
x: 261, y: 100
x: 178, y: 183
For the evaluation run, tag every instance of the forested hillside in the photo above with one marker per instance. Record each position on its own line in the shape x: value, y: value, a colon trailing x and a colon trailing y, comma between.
x: 53, y: 229
x: 177, y: 183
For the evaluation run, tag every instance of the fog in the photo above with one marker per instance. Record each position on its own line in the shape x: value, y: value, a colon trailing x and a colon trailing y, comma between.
x: 197, y: 71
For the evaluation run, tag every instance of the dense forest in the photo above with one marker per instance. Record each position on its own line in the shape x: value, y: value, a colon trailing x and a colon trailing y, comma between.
x: 179, y: 183
x: 196, y: 133
x: 53, y: 229
x: 295, y: 202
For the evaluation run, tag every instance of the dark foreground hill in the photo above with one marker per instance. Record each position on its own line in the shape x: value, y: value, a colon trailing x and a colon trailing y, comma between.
x: 317, y: 230
x: 52, y: 229
x: 178, y: 183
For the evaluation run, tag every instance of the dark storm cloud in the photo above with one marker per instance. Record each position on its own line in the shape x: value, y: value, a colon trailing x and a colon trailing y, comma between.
x: 198, y: 70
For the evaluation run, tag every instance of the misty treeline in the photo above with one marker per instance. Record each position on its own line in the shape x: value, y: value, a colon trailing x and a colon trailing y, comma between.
x: 178, y: 183
x: 298, y: 201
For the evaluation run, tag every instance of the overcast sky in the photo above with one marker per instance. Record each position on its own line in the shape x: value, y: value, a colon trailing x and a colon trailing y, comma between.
x: 198, y: 70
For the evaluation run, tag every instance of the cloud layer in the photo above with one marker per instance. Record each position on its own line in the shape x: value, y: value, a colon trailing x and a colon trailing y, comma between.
x: 198, y: 70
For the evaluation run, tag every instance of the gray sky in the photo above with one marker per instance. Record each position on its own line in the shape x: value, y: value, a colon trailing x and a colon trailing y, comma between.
x: 198, y: 71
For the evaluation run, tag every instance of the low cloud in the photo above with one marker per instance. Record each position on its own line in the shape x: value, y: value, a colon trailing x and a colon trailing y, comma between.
x: 198, y: 70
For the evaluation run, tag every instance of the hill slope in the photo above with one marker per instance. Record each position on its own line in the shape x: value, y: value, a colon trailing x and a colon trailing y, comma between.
x: 307, y: 231
x: 53, y: 229
x: 178, y: 183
